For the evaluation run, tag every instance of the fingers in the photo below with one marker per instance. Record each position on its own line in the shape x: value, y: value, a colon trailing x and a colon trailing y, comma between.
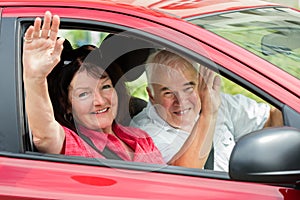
x: 36, y: 28
x: 48, y: 30
x: 208, y: 78
x: 54, y: 27
x: 205, y: 77
x: 58, y: 47
x: 217, y: 83
x: 46, y: 25
x: 202, y: 77
x: 28, y: 34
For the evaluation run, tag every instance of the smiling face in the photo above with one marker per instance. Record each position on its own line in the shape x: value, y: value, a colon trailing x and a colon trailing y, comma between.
x: 94, y: 101
x: 174, y: 94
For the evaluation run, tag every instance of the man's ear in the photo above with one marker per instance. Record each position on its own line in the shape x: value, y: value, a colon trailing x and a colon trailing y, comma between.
x: 150, y: 95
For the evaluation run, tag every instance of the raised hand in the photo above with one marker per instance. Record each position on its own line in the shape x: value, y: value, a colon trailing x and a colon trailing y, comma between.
x: 209, y: 91
x: 41, y: 49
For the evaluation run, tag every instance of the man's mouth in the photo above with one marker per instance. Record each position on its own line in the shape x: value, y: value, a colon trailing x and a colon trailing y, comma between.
x: 182, y: 112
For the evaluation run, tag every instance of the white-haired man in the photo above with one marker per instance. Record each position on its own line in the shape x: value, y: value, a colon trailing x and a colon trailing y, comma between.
x: 186, y: 112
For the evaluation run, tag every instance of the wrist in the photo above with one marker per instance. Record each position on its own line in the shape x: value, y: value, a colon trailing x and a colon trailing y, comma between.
x: 34, y: 83
x: 207, y: 113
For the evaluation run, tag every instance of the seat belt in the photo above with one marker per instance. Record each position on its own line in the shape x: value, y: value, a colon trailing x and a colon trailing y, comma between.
x: 106, y: 153
x: 210, y: 160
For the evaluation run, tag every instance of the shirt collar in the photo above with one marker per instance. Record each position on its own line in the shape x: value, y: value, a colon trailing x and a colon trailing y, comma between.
x: 99, y: 139
x: 156, y: 119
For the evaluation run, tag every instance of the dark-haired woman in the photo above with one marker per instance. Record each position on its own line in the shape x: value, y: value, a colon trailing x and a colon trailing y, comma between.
x: 81, y: 121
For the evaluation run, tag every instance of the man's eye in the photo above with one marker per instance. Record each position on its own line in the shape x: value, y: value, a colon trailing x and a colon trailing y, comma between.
x: 189, y: 90
x: 168, y: 94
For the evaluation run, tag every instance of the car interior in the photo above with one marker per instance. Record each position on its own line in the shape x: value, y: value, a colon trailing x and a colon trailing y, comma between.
x: 131, y: 50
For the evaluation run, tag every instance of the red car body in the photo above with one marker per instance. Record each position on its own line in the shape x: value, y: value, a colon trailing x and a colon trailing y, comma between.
x: 51, y: 180
x: 30, y: 176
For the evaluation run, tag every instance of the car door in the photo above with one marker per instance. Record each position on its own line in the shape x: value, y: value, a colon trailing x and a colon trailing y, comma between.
x: 29, y: 174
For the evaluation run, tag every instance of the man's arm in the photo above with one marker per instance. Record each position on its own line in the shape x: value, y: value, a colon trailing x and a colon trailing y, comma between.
x: 195, y: 150
x: 275, y: 118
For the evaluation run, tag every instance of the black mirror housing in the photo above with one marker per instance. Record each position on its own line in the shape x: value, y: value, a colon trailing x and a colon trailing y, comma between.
x: 270, y: 155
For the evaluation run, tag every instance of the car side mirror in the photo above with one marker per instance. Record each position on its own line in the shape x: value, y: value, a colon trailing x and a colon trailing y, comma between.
x: 270, y: 155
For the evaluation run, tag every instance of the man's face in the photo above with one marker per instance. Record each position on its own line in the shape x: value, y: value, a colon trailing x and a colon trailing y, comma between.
x: 175, y: 96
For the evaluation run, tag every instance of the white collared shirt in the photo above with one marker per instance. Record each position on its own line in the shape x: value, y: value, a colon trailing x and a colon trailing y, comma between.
x: 237, y: 116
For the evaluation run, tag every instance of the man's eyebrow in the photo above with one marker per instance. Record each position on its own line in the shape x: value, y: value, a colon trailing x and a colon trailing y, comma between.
x: 164, y: 89
x: 186, y: 84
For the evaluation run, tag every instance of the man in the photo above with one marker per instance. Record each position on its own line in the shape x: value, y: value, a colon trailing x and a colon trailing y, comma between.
x: 184, y: 107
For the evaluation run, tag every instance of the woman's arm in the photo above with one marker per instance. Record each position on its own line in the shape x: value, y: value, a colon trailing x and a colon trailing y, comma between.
x: 41, y: 52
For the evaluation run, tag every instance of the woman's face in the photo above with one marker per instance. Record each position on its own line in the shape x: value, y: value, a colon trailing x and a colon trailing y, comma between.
x: 94, y: 101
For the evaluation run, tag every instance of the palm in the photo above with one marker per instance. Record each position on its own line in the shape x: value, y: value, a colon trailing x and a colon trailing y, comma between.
x: 209, y: 92
x: 39, y: 53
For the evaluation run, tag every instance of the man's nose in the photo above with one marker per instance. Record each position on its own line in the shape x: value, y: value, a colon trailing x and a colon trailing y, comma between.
x: 179, y: 97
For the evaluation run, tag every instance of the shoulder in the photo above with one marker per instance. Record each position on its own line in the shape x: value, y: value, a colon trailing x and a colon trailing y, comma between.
x: 69, y: 132
x: 141, y: 118
x: 238, y: 98
x: 240, y: 102
x: 149, y: 120
x: 72, y: 138
x: 74, y: 145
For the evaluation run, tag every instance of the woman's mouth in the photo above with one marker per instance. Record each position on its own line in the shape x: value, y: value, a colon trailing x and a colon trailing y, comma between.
x: 101, y: 111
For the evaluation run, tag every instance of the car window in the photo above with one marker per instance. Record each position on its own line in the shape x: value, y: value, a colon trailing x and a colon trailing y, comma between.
x: 78, y: 37
x: 241, y: 111
x: 271, y: 33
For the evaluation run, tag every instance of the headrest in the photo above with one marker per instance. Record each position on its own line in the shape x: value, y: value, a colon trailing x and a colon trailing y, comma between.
x: 128, y: 52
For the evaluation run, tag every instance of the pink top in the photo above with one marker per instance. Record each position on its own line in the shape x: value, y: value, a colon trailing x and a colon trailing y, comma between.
x: 139, y: 141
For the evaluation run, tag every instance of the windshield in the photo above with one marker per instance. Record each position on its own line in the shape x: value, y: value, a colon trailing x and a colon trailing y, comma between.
x: 272, y: 33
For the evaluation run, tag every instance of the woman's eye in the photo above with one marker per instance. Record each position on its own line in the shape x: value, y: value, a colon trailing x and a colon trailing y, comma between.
x: 83, y: 95
x: 107, y: 86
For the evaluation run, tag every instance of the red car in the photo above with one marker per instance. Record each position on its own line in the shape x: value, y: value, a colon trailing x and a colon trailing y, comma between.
x: 253, y: 45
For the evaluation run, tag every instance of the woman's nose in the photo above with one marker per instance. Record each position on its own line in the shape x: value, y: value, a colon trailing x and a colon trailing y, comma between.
x: 98, y: 98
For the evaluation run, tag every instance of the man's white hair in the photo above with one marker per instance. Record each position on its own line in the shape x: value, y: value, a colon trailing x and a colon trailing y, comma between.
x: 168, y: 61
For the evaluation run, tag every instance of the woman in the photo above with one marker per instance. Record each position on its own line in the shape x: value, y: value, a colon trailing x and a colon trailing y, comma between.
x: 81, y: 120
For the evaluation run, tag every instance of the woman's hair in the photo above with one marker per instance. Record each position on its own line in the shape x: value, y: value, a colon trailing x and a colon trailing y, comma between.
x: 85, y: 58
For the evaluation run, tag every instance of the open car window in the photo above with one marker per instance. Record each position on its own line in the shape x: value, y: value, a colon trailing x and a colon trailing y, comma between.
x: 131, y: 53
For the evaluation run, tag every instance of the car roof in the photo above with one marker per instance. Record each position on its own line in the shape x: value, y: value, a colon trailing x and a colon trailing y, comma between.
x: 178, y: 8
x: 184, y: 9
